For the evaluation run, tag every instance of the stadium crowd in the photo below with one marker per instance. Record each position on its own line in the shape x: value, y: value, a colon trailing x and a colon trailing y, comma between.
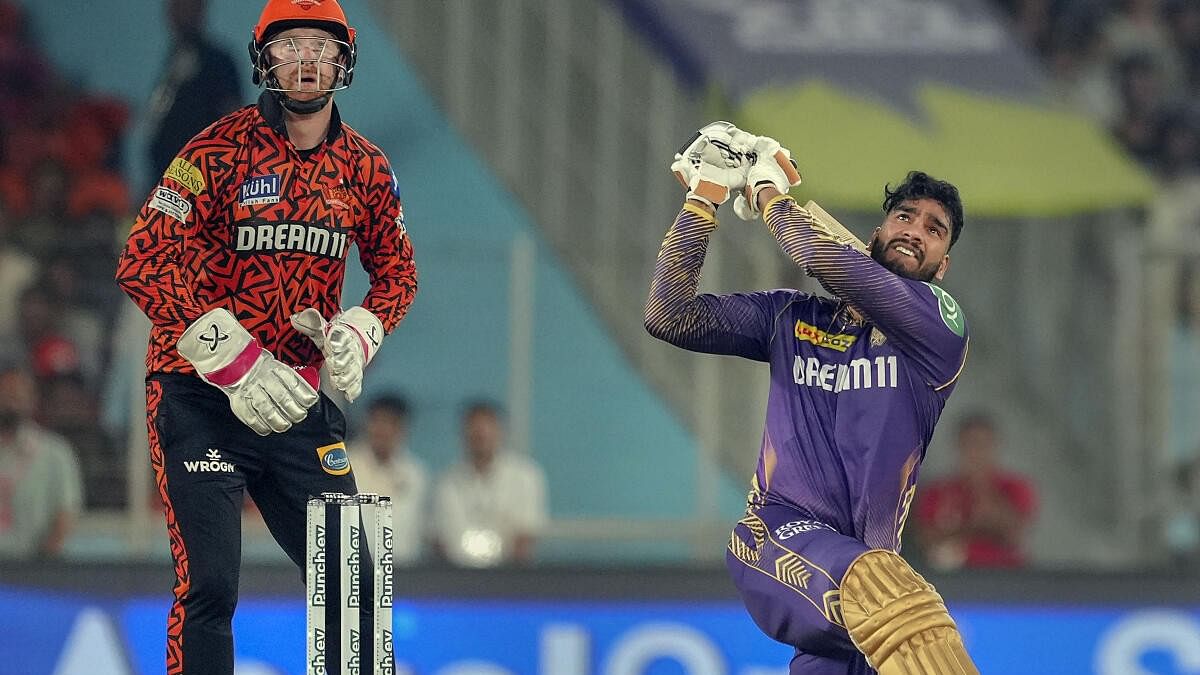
x: 63, y: 202
x: 1133, y: 66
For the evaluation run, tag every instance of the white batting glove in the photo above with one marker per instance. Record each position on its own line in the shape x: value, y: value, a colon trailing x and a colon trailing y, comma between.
x: 268, y: 396
x: 772, y: 166
x: 713, y: 163
x: 349, y: 341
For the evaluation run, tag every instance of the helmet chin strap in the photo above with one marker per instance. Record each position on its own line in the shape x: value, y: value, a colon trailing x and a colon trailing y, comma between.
x: 302, y: 107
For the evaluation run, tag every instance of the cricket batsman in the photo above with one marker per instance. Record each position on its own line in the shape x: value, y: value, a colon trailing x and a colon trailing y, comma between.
x: 857, y: 382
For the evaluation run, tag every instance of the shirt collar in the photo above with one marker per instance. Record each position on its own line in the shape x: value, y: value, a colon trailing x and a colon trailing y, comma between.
x: 271, y: 111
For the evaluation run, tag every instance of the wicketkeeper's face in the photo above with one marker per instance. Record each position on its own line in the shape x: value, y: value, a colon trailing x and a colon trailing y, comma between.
x: 914, y: 240
x: 306, y: 62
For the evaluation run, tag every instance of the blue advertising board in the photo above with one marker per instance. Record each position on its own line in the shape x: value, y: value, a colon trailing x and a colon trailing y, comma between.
x: 58, y: 634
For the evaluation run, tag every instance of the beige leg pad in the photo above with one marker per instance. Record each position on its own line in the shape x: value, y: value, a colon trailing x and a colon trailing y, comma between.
x: 899, y: 621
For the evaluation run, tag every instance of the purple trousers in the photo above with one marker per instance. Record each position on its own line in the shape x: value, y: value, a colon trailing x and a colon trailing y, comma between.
x: 787, y: 568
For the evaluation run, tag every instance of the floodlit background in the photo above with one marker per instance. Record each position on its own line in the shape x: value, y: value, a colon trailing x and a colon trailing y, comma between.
x: 531, y: 140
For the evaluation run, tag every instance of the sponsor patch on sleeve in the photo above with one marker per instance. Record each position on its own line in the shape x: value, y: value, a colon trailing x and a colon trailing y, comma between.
x: 186, y: 174
x: 400, y: 220
x: 170, y: 202
x: 395, y: 184
x: 952, y: 314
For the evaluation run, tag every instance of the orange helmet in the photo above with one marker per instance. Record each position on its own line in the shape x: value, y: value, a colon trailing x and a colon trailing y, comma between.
x: 281, y: 14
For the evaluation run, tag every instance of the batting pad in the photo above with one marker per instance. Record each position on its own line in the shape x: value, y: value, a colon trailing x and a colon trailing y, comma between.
x: 899, y: 621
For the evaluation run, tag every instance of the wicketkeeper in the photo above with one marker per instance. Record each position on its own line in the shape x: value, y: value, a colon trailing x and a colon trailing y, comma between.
x: 238, y: 257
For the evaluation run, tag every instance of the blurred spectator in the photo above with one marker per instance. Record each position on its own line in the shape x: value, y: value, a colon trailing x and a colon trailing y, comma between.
x: 977, y: 517
x: 1081, y: 76
x: 79, y: 312
x: 45, y: 345
x: 1143, y: 99
x: 70, y: 408
x: 1031, y: 21
x: 1130, y: 65
x: 44, y: 223
x: 1183, y: 16
x: 490, y: 507
x: 1181, y: 525
x: 383, y: 465
x: 1139, y: 27
x: 1180, y: 162
x: 199, y: 84
x: 17, y: 270
x: 1183, y: 435
x: 40, y: 489
x: 23, y: 70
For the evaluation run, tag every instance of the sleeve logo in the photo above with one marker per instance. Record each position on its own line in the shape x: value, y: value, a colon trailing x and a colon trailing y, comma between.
x: 186, y: 174
x: 395, y: 184
x: 952, y: 314
x: 170, y: 202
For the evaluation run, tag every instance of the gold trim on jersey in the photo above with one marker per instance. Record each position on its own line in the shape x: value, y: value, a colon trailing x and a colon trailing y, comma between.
x: 791, y: 570
x: 833, y: 607
x: 775, y: 200
x: 795, y: 568
x: 815, y: 566
x: 904, y: 505
x: 692, y: 208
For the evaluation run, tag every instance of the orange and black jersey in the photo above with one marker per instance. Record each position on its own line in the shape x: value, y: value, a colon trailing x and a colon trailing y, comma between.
x: 242, y: 220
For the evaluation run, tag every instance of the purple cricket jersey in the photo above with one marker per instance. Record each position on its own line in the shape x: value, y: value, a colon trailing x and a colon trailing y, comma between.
x: 857, y: 382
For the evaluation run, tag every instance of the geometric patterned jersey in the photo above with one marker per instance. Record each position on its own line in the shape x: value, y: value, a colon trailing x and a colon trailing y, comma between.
x: 243, y: 221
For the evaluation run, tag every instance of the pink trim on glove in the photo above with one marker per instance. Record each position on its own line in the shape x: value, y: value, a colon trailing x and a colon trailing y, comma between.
x: 311, y: 375
x: 237, y: 368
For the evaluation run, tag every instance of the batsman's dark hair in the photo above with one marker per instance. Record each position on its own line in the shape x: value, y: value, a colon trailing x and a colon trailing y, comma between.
x: 920, y: 185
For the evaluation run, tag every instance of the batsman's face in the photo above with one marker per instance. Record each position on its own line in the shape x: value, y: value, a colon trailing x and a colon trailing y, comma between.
x: 914, y: 240
x: 306, y: 61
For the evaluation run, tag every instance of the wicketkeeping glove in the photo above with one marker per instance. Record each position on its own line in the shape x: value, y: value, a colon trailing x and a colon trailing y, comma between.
x: 772, y: 166
x: 265, y: 394
x: 713, y: 163
x: 349, y: 341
